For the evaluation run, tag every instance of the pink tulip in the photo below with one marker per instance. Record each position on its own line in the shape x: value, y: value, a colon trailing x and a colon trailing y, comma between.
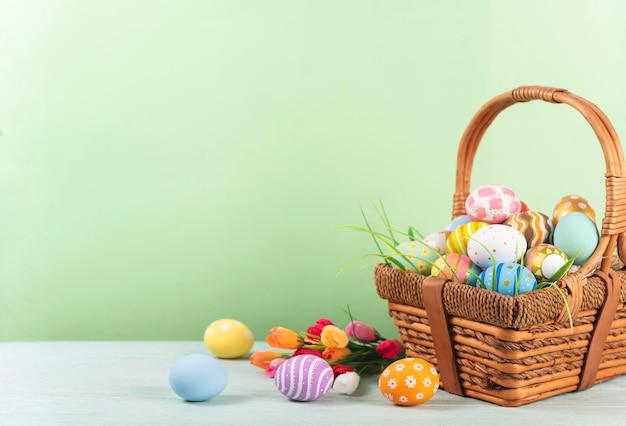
x: 361, y: 331
x: 270, y: 371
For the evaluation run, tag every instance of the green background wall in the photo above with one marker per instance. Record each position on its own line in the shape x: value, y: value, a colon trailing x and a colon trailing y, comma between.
x: 164, y: 164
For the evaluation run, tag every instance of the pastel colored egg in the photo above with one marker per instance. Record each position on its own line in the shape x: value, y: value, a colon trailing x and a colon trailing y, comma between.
x: 304, y: 378
x: 437, y: 240
x: 535, y: 226
x: 457, y: 240
x: 492, y: 204
x: 198, y: 378
x: 455, y: 265
x: 509, y: 279
x: 544, y: 260
x: 456, y: 223
x: 409, y: 381
x: 228, y: 338
x: 572, y: 203
x: 419, y: 253
x: 577, y: 235
x: 496, y: 244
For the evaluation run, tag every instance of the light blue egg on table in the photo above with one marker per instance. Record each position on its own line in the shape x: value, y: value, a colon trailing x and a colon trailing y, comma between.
x: 457, y: 222
x: 577, y: 235
x: 198, y: 378
x: 509, y: 276
x: 419, y: 253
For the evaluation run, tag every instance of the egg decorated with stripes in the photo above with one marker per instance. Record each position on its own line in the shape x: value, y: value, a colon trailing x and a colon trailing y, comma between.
x: 535, y: 226
x: 492, y: 204
x: 458, y: 239
x: 304, y: 378
x: 456, y: 267
x: 496, y: 244
x: 416, y: 256
x: 510, y: 279
x: 544, y: 260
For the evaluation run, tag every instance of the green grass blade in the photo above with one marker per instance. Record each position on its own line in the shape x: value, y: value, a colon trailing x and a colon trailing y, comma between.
x: 567, y: 307
x: 380, y: 250
x: 382, y: 213
x: 562, y: 271
x: 356, y: 260
x: 417, y: 232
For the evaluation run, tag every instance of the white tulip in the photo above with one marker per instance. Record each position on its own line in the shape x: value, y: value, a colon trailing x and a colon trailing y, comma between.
x: 346, y: 383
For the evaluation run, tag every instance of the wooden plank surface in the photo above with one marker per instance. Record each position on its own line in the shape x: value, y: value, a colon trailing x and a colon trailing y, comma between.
x: 67, y: 383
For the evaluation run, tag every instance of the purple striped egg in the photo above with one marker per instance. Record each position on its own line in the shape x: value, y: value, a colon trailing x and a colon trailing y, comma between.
x: 304, y: 378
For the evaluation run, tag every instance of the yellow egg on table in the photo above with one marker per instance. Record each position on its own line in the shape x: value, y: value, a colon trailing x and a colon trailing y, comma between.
x: 228, y: 338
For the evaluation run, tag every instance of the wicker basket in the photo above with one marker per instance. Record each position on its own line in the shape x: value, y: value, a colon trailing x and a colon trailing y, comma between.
x: 515, y: 350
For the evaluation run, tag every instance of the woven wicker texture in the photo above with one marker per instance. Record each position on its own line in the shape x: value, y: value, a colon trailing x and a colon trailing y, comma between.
x: 490, y: 307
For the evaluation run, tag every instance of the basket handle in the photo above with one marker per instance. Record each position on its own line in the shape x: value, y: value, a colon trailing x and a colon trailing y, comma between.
x: 614, y: 223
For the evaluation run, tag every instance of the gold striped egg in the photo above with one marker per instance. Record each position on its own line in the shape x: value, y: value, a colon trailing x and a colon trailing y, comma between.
x: 458, y: 239
x: 535, y: 226
x: 572, y: 203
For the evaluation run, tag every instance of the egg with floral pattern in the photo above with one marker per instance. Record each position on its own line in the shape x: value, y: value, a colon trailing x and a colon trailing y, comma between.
x: 409, y: 381
x: 437, y: 240
x: 572, y: 203
x: 420, y: 254
x: 510, y: 279
x: 492, y: 204
x: 544, y: 260
x: 496, y: 244
x: 456, y: 267
x: 457, y: 240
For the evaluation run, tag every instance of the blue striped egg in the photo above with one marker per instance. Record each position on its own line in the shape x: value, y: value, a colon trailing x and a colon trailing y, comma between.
x: 304, y: 378
x: 511, y: 279
x: 457, y: 222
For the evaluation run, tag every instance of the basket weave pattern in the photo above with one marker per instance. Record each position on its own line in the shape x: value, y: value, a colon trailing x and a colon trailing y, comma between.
x: 513, y: 351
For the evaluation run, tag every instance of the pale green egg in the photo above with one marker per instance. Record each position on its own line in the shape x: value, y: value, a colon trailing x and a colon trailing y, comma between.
x: 577, y: 235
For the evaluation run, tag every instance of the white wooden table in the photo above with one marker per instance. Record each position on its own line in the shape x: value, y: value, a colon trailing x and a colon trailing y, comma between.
x: 95, y: 383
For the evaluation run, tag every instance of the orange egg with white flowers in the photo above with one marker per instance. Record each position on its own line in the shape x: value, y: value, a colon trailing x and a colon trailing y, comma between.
x: 409, y: 381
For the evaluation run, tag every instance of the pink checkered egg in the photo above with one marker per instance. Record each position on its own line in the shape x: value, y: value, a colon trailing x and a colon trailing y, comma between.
x: 492, y: 204
x: 304, y: 378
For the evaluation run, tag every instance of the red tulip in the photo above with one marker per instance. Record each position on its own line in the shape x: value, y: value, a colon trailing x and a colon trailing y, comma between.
x: 389, y: 348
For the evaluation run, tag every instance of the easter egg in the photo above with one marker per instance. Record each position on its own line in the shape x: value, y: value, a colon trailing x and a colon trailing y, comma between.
x: 198, y: 377
x: 457, y: 240
x: 419, y: 253
x: 304, y: 378
x: 544, y: 260
x: 524, y: 207
x: 228, y: 338
x: 492, y: 204
x: 535, y: 226
x: 409, y: 381
x: 455, y: 264
x: 572, y: 203
x: 577, y: 235
x: 437, y: 240
x: 510, y: 279
x: 496, y: 244
x: 456, y: 223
